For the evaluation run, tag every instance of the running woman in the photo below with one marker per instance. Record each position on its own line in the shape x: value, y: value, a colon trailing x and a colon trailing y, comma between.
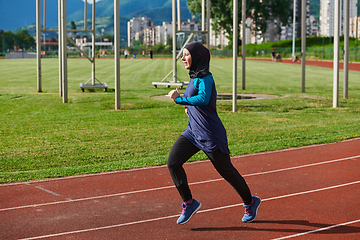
x: 205, y: 132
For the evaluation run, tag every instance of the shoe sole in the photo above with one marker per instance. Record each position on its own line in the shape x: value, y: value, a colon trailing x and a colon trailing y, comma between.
x: 197, y: 209
x: 255, y: 213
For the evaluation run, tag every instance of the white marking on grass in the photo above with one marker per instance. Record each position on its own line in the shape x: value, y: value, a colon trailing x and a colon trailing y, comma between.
x: 202, y: 211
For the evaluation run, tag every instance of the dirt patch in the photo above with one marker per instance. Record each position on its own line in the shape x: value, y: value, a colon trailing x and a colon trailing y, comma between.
x: 228, y: 97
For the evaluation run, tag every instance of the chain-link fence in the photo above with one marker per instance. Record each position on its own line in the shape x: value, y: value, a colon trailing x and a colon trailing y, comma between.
x: 316, y: 53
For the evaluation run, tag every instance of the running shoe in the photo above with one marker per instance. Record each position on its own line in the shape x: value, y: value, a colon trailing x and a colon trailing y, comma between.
x: 251, y: 210
x: 188, y: 212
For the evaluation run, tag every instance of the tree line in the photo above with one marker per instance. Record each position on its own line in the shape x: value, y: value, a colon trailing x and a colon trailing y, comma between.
x: 19, y: 41
x: 260, y: 11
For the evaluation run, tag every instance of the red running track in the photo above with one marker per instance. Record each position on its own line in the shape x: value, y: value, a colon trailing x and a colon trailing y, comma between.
x: 307, y: 193
x: 353, y: 66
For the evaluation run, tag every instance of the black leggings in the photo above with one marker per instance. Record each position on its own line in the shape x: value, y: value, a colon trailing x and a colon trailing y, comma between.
x: 183, y: 149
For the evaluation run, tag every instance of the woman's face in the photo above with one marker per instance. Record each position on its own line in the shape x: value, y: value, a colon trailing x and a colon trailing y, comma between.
x: 186, y: 58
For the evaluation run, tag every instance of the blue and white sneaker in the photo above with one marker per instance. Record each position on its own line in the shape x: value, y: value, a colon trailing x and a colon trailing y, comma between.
x: 188, y: 212
x: 251, y: 210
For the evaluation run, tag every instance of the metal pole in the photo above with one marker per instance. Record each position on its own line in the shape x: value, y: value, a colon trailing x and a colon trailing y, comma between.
x: 323, y: 53
x: 294, y: 25
x: 93, y: 43
x: 174, y: 39
x: 356, y: 36
x: 303, y: 44
x: 336, y: 54
x: 117, y: 53
x: 64, y: 52
x: 346, y: 48
x: 235, y: 51
x: 179, y: 15
x: 44, y: 27
x: 208, y: 13
x: 60, y: 46
x: 243, y: 42
x: 85, y: 15
x: 203, y: 15
x: 38, y: 44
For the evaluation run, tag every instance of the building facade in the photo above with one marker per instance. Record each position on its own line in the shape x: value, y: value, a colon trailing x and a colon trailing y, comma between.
x: 276, y: 31
x: 327, y: 16
x: 354, y: 27
x: 144, y: 30
x: 312, y: 25
x: 189, y: 25
x: 137, y: 25
x: 219, y: 39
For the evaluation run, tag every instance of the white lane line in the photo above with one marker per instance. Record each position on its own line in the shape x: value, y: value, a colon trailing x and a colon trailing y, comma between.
x: 318, y: 230
x: 99, y: 228
x: 172, y: 186
x: 173, y: 216
x: 304, y: 166
x: 162, y: 166
x: 48, y: 191
x: 286, y: 195
x: 85, y: 199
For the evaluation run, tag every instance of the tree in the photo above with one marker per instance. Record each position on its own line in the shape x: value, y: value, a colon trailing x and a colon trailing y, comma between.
x: 260, y: 11
x: 159, y: 48
x: 21, y: 40
x: 73, y: 26
x: 24, y: 40
x: 109, y: 37
x: 9, y: 39
x: 136, y: 43
x: 1, y: 41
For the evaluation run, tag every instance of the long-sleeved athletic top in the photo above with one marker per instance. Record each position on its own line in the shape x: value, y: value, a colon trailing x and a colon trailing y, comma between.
x: 205, y: 129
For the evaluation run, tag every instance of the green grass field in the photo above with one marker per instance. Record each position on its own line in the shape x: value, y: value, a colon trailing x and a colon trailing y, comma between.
x: 41, y: 137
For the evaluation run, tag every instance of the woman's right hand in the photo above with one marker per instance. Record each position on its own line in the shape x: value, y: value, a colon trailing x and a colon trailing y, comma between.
x: 173, y: 94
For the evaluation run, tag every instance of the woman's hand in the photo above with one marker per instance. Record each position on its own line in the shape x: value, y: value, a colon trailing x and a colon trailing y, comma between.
x: 186, y: 110
x: 173, y: 94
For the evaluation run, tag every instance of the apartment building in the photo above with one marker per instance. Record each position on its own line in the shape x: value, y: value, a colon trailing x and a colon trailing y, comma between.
x: 137, y: 25
x: 149, y: 36
x: 312, y: 25
x: 327, y: 17
x: 218, y: 39
x: 354, y: 27
x: 189, y: 25
x: 163, y: 33
x: 143, y: 29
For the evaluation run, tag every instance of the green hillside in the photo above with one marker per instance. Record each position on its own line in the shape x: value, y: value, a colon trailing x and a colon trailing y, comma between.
x: 105, y: 15
x: 315, y: 8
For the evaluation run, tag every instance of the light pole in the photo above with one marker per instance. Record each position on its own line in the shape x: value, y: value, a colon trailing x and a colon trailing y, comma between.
x: 294, y: 23
x: 356, y: 35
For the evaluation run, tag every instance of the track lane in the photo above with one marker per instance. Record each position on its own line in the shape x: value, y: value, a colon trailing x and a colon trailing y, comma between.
x: 164, y: 203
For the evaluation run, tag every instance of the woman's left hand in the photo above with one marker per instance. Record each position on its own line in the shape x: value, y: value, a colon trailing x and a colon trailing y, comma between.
x: 173, y: 94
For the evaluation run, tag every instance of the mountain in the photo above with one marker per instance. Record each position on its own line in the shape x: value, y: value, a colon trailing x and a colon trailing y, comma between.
x: 315, y: 8
x: 19, y: 13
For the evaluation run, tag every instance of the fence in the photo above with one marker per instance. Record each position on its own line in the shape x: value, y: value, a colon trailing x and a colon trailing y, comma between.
x: 16, y: 55
x: 320, y: 53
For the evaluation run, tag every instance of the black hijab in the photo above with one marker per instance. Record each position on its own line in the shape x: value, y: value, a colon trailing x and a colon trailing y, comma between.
x: 200, y: 57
